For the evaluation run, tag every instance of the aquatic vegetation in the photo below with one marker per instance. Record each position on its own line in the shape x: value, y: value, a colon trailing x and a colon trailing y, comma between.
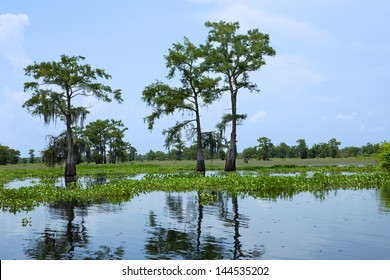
x: 270, y: 182
x: 384, y: 156
x: 26, y: 222
x: 207, y: 198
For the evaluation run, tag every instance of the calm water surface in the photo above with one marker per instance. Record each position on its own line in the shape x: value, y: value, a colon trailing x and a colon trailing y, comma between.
x: 343, y: 224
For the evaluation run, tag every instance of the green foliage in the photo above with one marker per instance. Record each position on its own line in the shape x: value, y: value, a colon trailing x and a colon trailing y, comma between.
x: 8, y: 155
x: 303, y: 150
x: 57, y: 83
x: 234, y: 56
x: 384, y: 156
x: 26, y: 222
x: 278, y: 181
x: 32, y: 156
x: 196, y: 86
x: 196, y: 90
x: 105, y: 135
x: 264, y: 148
x: 250, y: 152
x: 207, y: 198
x: 54, y: 89
x: 319, y: 150
x: 212, y: 143
x: 333, y: 147
x: 282, y: 150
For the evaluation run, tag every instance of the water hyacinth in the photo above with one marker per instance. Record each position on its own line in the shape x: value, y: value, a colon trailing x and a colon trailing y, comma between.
x: 279, y: 181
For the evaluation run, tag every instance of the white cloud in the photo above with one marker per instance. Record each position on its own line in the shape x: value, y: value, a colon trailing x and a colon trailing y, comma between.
x: 346, y: 117
x: 259, y: 116
x: 12, y: 39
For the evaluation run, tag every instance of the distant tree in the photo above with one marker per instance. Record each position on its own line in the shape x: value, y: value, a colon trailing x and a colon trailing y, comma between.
x: 97, y: 135
x: 264, y: 148
x: 56, y: 86
x: 234, y: 56
x: 150, y: 155
x: 196, y: 90
x: 13, y: 156
x: 3, y: 155
x: 8, y: 155
x: 250, y: 152
x: 56, y: 150
x: 174, y: 140
x: 302, y: 149
x: 211, y: 143
x: 370, y: 149
x: 32, y: 156
x: 350, y: 151
x: 221, y: 154
x: 292, y: 152
x: 132, y: 153
x: 333, y: 147
x: 190, y: 153
x: 160, y: 155
x: 117, y: 147
x: 107, y: 135
x: 282, y: 150
x: 319, y: 150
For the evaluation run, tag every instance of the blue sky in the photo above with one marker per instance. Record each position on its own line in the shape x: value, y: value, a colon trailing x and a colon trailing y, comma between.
x: 329, y: 79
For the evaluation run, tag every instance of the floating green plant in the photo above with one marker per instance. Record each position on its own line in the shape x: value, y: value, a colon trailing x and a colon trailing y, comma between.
x: 205, y: 198
x: 26, y: 222
x: 280, y: 181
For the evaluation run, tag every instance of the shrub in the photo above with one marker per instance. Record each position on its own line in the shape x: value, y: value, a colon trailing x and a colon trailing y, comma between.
x: 384, y: 156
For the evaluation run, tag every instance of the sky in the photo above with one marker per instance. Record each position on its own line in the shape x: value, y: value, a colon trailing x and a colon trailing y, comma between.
x: 330, y: 77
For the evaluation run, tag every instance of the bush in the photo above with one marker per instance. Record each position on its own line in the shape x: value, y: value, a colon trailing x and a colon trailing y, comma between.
x: 384, y: 156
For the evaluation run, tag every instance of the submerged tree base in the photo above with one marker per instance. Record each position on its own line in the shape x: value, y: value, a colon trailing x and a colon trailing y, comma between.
x: 70, y: 180
x: 230, y: 165
x: 200, y: 166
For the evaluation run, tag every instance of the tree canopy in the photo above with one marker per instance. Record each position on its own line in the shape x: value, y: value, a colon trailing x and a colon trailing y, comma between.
x: 234, y: 56
x: 196, y: 89
x: 55, y: 87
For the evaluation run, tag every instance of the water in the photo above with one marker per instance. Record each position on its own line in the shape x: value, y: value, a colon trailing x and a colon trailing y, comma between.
x: 343, y: 224
x: 84, y: 181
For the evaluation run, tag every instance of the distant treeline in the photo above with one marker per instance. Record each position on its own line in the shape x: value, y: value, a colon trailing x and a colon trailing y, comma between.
x: 12, y: 156
x: 267, y: 150
x: 264, y: 151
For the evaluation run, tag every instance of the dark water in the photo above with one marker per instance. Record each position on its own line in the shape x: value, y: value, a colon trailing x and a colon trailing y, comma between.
x: 343, y: 224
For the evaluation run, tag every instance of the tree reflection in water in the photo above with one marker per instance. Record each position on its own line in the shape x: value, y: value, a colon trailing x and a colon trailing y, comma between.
x: 184, y: 238
x: 185, y: 229
x: 68, y: 240
x: 178, y: 226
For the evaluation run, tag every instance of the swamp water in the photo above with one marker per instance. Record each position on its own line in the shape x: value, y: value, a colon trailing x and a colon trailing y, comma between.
x: 341, y: 224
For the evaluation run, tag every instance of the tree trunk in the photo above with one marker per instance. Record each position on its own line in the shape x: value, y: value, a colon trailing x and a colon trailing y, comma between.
x: 200, y: 166
x: 230, y: 164
x: 70, y: 165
